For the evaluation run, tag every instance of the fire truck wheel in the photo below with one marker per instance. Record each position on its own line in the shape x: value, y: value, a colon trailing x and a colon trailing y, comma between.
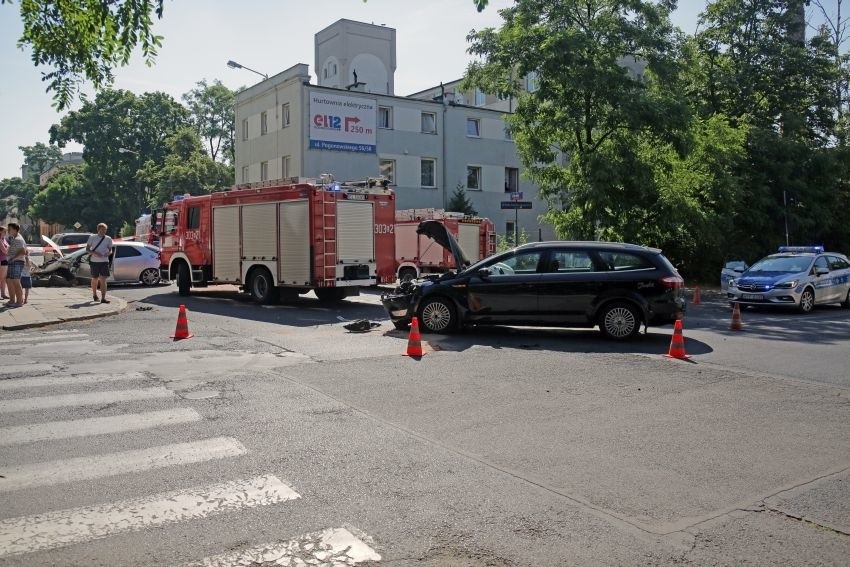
x: 262, y: 287
x: 330, y: 294
x: 184, y: 280
x: 406, y: 275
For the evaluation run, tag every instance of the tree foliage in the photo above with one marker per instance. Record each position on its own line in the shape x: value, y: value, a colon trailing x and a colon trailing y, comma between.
x: 213, y: 111
x: 185, y: 170
x: 121, y: 132
x: 70, y: 197
x: 40, y: 157
x: 460, y: 202
x: 86, y: 39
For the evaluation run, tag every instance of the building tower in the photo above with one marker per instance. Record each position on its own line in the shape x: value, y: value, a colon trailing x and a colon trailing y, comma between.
x: 356, y: 56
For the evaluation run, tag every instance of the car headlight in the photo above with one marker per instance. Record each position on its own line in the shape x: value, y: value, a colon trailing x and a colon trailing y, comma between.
x: 732, y: 283
x: 786, y: 285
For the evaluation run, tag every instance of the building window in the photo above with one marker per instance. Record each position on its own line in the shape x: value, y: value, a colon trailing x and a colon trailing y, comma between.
x: 386, y: 167
x: 510, y: 231
x: 480, y: 99
x: 511, y: 180
x: 429, y: 172
x: 285, y: 162
x: 264, y: 123
x: 284, y: 115
x: 245, y: 129
x: 473, y: 177
x: 473, y: 127
x: 532, y: 81
x: 385, y: 117
x: 264, y: 171
x: 429, y: 123
x: 508, y: 134
x: 244, y: 174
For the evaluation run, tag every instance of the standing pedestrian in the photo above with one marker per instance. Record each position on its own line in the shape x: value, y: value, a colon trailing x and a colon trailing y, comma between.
x: 100, y: 247
x: 17, y: 252
x: 4, y: 262
x: 26, y: 276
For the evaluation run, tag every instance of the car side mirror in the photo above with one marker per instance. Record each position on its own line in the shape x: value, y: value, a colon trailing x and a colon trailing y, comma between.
x: 484, y: 273
x: 821, y: 271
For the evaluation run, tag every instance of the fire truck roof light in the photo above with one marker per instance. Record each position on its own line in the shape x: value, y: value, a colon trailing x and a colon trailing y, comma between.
x: 802, y: 249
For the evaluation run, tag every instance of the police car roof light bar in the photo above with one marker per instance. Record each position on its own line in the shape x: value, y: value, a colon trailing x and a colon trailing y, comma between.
x: 802, y: 249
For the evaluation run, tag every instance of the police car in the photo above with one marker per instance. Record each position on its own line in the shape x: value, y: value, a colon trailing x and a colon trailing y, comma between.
x: 798, y: 276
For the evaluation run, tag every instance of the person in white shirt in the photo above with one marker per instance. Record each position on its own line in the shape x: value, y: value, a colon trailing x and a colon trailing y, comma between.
x: 100, y: 247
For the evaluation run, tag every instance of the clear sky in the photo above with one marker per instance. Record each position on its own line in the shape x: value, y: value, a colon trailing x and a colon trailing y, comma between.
x: 200, y: 36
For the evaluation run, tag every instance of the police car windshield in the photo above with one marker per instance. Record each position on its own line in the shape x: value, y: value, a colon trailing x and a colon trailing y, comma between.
x: 787, y: 264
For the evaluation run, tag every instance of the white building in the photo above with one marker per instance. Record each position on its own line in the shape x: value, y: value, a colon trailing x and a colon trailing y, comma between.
x: 352, y: 125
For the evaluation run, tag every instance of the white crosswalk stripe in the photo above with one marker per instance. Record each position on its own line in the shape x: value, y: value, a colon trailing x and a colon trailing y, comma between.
x: 44, y: 340
x: 15, y: 370
x: 330, y: 547
x: 40, y: 382
x: 99, y: 466
x: 65, y: 527
x: 84, y: 399
x: 54, y: 430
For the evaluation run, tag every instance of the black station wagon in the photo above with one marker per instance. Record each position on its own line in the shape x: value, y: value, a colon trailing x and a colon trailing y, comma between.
x: 615, y: 286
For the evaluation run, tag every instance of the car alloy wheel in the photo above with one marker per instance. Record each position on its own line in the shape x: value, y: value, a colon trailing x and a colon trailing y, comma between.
x: 619, y: 321
x: 150, y: 276
x: 807, y: 301
x: 437, y: 316
x: 846, y: 303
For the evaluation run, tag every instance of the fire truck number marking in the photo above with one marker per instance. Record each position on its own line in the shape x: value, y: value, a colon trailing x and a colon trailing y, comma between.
x: 193, y: 235
x: 384, y: 228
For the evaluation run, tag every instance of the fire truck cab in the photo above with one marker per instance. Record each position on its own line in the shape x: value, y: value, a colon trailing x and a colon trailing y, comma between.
x: 281, y: 238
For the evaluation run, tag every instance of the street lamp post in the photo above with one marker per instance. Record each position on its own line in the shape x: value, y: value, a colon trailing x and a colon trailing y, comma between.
x: 234, y: 65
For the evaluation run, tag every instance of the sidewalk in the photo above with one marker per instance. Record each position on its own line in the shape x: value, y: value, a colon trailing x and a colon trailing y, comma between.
x: 48, y: 305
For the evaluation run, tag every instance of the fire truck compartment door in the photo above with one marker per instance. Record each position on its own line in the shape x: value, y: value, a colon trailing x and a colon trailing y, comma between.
x: 258, y: 233
x: 355, y: 232
x: 294, y: 235
x: 470, y: 241
x: 406, y: 240
x: 226, y: 266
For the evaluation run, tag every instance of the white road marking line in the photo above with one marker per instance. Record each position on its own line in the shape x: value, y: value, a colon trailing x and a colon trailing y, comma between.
x: 43, y: 341
x: 97, y: 466
x: 331, y: 547
x: 27, y: 534
x: 37, y: 382
x: 15, y: 370
x: 85, y: 399
x: 19, y: 434
x: 48, y: 347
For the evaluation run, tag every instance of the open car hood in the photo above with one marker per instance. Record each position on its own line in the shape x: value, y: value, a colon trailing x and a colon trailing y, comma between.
x: 437, y: 232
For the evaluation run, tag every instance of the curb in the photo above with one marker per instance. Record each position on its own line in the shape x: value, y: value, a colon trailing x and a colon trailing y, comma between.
x: 72, y: 319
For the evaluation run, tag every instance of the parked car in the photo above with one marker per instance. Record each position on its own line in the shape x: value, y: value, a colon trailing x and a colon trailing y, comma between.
x: 731, y: 270
x: 552, y: 284
x: 132, y: 262
x: 797, y: 276
x: 70, y: 238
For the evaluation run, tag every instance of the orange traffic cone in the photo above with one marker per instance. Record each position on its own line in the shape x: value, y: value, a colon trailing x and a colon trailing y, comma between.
x: 677, y: 343
x: 736, y: 324
x: 696, y: 300
x: 182, y: 331
x: 414, y: 342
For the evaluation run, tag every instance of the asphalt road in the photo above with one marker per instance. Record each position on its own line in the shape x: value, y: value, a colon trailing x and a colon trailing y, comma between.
x: 275, y: 429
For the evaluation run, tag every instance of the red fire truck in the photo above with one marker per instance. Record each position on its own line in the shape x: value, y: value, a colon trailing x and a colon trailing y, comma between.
x: 417, y: 254
x: 282, y: 238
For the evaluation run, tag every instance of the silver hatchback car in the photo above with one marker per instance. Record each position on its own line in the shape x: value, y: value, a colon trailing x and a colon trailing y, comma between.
x: 132, y: 262
x: 798, y: 276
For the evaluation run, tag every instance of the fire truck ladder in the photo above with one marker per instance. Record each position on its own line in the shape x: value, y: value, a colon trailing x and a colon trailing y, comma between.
x: 326, y: 262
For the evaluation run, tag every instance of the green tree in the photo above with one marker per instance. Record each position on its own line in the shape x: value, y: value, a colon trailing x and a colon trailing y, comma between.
x: 213, y: 111
x: 460, y: 202
x: 185, y: 170
x: 121, y: 132
x: 86, y: 39
x: 40, y: 157
x: 70, y: 197
x: 578, y: 133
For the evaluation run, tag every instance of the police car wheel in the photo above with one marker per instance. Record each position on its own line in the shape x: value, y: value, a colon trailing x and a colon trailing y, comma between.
x: 807, y: 301
x: 846, y: 303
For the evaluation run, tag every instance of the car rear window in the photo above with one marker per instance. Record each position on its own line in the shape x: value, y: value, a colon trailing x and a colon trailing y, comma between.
x: 622, y: 261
